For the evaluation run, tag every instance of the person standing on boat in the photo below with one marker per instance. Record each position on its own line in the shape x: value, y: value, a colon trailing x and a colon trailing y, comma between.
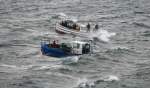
x: 77, y: 28
x: 74, y: 26
x: 96, y: 27
x: 88, y: 27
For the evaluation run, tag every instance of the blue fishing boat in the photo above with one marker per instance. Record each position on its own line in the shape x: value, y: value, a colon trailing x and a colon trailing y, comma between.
x: 72, y: 48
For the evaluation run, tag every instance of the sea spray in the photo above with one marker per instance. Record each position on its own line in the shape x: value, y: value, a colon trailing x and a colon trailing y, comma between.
x: 102, y: 35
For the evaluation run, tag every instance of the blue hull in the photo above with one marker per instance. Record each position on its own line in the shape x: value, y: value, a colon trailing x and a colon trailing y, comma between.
x: 55, y: 52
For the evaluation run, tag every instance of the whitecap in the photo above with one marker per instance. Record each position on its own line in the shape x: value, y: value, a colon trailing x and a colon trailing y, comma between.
x: 85, y: 83
x: 82, y: 83
x: 111, y: 78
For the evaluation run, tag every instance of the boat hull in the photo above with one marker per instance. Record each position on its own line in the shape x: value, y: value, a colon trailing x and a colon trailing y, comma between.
x: 54, y: 52
x: 60, y: 32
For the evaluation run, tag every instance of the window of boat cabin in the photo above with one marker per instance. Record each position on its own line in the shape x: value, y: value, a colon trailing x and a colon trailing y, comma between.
x: 76, y: 45
x: 87, y: 46
x: 66, y: 45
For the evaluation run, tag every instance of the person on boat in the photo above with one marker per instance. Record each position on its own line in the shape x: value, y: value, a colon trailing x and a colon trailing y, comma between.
x: 96, y: 27
x: 78, y: 28
x: 74, y: 26
x: 65, y: 23
x: 55, y: 45
x: 88, y: 27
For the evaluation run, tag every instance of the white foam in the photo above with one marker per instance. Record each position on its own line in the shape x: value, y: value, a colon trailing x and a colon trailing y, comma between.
x: 103, y: 35
x: 62, y: 14
x: 85, y: 83
x: 71, y: 59
x: 111, y: 78
x: 75, y: 59
x: 82, y: 82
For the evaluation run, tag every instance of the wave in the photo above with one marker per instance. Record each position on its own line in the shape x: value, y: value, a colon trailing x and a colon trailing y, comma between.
x: 5, y: 45
x: 31, y: 67
x: 146, y: 33
x: 107, y: 79
x: 11, y: 45
x: 87, y: 83
x: 111, y: 78
x: 43, y: 67
x: 141, y: 24
x: 65, y: 70
x: 118, y: 50
x: 16, y: 67
x: 121, y: 50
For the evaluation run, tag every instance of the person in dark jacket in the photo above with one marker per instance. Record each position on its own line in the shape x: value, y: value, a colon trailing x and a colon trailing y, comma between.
x: 88, y: 27
x: 96, y: 27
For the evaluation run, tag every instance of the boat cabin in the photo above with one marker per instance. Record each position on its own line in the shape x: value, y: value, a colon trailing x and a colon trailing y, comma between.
x: 79, y: 47
x: 70, y: 24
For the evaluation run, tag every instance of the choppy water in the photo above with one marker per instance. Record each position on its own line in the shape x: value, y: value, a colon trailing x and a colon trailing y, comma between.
x: 123, y: 61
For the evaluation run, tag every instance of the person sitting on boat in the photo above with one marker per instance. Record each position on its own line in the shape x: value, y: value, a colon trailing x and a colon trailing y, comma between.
x: 54, y: 44
x: 74, y: 26
x: 77, y: 28
x: 96, y: 27
x: 88, y: 27
x: 65, y: 23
